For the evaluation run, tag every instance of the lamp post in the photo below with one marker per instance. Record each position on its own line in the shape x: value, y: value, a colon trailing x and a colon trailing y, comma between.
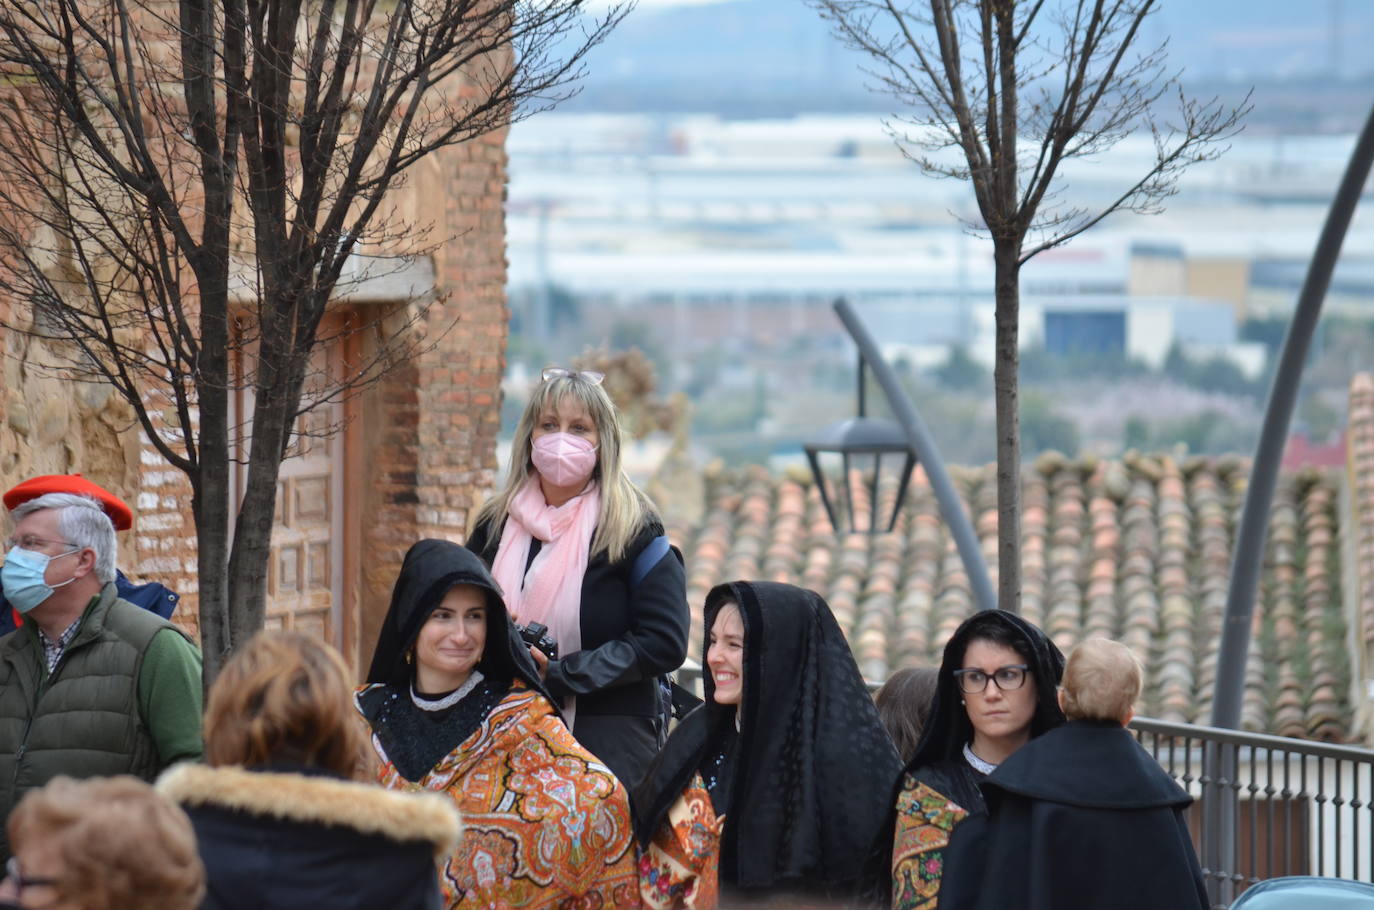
x: 855, y: 443
x: 1219, y: 801
x: 919, y: 444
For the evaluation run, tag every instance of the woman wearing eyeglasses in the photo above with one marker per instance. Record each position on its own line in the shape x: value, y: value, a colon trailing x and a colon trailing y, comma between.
x: 577, y: 547
x: 997, y: 689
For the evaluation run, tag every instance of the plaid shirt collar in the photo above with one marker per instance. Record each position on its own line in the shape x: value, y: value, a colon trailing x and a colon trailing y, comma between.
x: 53, y: 650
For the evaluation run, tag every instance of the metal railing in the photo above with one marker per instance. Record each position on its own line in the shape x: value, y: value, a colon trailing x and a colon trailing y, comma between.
x: 1269, y: 805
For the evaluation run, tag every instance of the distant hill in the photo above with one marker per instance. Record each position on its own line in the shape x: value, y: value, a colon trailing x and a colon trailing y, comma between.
x: 777, y: 57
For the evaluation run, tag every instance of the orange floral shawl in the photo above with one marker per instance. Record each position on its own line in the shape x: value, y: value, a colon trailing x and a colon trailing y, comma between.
x: 544, y: 823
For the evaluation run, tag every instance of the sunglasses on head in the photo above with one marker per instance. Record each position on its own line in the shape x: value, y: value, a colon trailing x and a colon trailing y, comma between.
x: 552, y: 373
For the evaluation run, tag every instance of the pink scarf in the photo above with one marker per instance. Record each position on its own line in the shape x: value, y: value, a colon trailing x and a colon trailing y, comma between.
x: 551, y: 591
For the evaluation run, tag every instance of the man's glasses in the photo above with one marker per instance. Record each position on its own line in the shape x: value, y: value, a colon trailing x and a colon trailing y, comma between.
x: 13, y: 873
x: 30, y: 542
x: 592, y: 376
x: 972, y: 682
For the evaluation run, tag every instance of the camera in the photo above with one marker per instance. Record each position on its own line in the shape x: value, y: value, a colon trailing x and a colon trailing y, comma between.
x: 536, y: 635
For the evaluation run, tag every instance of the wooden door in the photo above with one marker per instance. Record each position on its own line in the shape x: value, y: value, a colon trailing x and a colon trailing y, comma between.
x: 305, y: 573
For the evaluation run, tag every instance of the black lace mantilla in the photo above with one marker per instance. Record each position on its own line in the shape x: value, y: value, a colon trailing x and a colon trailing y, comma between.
x: 718, y: 771
x: 414, y: 739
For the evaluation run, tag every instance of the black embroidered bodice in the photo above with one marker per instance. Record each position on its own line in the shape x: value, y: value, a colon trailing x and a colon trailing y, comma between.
x: 415, y: 739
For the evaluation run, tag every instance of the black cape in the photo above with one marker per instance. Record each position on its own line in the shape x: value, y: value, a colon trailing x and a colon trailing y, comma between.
x: 939, y: 760
x: 1083, y: 817
x: 813, y: 765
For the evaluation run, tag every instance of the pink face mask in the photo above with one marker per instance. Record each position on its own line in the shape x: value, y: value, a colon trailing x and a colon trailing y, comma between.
x: 563, y: 459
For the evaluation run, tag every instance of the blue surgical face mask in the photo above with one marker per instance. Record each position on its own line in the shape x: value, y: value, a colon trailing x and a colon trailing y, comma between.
x: 22, y: 578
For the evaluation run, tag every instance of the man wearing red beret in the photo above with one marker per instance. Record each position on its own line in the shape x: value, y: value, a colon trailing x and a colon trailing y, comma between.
x: 149, y: 595
x: 91, y: 685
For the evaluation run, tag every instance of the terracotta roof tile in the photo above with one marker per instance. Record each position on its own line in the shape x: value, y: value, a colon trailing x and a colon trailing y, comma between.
x: 1137, y: 549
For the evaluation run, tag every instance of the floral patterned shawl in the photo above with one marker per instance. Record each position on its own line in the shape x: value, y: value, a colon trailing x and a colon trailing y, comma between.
x: 545, y: 823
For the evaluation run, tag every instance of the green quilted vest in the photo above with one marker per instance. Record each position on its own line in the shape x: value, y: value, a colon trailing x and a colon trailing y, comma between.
x: 83, y: 721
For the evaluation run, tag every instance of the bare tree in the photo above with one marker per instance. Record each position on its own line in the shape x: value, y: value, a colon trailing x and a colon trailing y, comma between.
x: 153, y: 153
x: 1001, y: 93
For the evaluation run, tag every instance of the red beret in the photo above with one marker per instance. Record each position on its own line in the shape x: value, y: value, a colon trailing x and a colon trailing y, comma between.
x: 34, y: 487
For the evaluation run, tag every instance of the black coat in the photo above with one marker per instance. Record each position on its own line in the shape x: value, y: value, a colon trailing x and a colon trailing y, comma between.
x: 631, y: 635
x: 277, y: 840
x: 1083, y: 818
x: 812, y: 767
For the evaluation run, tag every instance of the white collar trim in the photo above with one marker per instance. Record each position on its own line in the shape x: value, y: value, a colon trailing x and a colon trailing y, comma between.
x: 982, y: 767
x: 449, y: 700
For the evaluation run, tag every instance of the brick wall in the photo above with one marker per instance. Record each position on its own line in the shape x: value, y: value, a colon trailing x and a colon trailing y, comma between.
x: 1357, y: 552
x: 420, y: 444
x: 164, y: 531
x: 429, y: 439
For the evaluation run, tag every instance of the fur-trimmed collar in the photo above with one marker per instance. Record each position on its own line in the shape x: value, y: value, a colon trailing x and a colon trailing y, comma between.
x: 367, y: 808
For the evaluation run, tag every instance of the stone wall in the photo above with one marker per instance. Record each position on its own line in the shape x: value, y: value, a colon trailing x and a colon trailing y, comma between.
x: 49, y: 425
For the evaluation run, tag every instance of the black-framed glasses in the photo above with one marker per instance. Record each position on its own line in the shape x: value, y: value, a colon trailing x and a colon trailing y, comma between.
x: 552, y: 373
x: 14, y: 874
x: 972, y: 682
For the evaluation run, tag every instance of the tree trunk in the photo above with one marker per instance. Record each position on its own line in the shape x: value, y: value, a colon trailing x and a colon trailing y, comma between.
x: 210, y: 502
x: 1006, y: 254
x: 210, y: 506
x: 277, y: 394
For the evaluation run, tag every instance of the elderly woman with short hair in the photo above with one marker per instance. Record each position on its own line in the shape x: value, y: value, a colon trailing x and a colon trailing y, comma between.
x: 101, y: 844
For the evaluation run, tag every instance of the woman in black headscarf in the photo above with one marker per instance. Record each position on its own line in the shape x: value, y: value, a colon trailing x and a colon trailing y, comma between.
x: 456, y: 706
x: 997, y: 689
x: 783, y: 777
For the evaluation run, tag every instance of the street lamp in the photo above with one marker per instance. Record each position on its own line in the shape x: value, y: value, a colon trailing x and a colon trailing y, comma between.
x: 917, y: 443
x: 860, y: 445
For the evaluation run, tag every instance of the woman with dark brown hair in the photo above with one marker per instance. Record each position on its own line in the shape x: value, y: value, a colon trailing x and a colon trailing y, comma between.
x: 282, y: 814
x: 457, y: 707
x: 996, y: 691
x: 776, y: 786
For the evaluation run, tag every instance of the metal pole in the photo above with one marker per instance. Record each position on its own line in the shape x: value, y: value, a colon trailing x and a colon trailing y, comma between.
x: 862, y: 397
x: 1219, y: 802
x: 951, y: 507
x: 1259, y: 495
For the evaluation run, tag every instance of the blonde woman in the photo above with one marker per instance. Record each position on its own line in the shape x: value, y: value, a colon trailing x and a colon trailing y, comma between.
x: 577, y: 547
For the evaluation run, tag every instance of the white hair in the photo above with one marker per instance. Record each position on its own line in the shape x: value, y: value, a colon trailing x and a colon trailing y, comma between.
x: 82, y: 522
